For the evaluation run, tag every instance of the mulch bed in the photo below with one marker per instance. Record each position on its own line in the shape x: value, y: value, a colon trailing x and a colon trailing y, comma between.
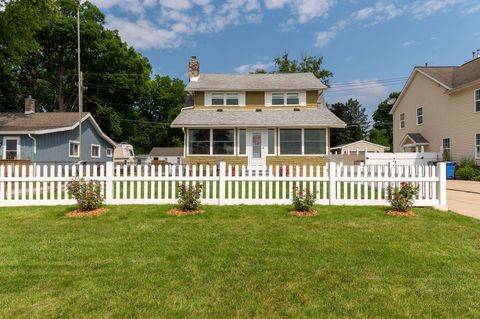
x: 405, y: 214
x: 87, y: 214
x: 179, y: 212
x: 305, y: 214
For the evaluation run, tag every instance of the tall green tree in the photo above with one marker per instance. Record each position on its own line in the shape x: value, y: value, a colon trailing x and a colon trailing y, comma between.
x: 379, y: 137
x: 356, y: 118
x: 382, y: 120
x: 307, y: 63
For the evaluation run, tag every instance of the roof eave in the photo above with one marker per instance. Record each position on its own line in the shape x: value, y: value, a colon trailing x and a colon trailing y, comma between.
x: 256, y: 125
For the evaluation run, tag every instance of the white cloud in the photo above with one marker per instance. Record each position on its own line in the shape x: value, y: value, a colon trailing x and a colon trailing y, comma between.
x: 424, y: 8
x: 325, y: 37
x: 474, y: 9
x: 142, y: 34
x: 303, y: 10
x: 409, y: 43
x: 248, y: 68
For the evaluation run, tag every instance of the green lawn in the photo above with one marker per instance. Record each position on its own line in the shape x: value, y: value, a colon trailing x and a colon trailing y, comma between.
x: 136, y: 261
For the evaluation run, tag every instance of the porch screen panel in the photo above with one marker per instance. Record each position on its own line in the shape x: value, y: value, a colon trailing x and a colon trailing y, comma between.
x: 199, y: 141
x: 315, y: 141
x: 291, y: 141
x: 223, y: 142
x: 242, y: 142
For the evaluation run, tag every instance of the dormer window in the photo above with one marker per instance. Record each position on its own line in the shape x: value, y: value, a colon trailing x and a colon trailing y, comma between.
x: 222, y: 99
x: 285, y: 99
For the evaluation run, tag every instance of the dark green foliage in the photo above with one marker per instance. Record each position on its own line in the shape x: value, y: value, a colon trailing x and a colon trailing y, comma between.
x: 379, y: 136
x: 307, y: 63
x: 356, y: 118
x: 382, y: 120
x: 467, y: 173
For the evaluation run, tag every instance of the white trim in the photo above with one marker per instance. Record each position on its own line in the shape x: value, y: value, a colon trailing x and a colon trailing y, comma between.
x: 361, y: 141
x: 199, y: 126
x: 418, y: 116
x: 207, y: 99
x: 414, y: 143
x: 211, y: 142
x: 77, y: 143
x: 99, y: 151
x: 302, y: 98
x: 475, y: 101
x: 111, y: 152
x: 263, y: 147
x: 19, y: 147
x: 477, y: 155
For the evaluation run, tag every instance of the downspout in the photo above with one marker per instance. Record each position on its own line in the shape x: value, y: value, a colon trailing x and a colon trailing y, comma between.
x: 34, y: 146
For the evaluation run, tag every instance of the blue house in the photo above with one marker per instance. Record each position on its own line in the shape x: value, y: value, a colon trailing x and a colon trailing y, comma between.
x: 52, y: 137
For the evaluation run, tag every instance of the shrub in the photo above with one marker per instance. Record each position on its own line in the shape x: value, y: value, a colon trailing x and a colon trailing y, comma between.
x: 189, y: 196
x: 402, y: 198
x: 88, y: 194
x: 303, y: 200
x: 467, y: 172
x: 466, y: 162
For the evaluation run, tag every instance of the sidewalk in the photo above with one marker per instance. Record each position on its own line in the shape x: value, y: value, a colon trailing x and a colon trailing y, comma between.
x: 463, y: 197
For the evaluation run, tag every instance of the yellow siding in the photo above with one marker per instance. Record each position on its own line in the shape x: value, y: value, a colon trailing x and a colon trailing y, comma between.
x: 312, y: 97
x: 199, y: 99
x: 211, y: 160
x: 255, y: 99
x: 271, y: 160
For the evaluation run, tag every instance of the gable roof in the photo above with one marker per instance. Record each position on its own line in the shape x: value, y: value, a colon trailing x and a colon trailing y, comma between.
x: 452, y: 78
x: 45, y: 122
x: 304, y: 117
x: 416, y: 138
x: 356, y: 142
x: 166, y: 151
x: 255, y: 82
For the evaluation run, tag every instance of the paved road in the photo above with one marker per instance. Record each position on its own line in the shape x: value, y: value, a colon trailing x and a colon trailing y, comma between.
x: 463, y: 197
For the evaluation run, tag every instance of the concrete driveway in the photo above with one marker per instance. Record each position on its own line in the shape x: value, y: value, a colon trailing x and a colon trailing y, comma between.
x: 463, y: 197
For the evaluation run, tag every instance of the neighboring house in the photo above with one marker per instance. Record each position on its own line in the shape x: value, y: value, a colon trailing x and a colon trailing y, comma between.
x: 256, y: 119
x: 143, y: 159
x: 52, y: 137
x: 359, y: 147
x: 439, y: 111
x: 171, y: 155
x: 124, y: 154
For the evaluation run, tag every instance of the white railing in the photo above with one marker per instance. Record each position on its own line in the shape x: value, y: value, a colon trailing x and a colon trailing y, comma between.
x: 332, y: 184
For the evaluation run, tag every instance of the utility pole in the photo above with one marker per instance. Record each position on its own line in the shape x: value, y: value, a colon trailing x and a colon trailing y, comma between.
x: 80, y: 88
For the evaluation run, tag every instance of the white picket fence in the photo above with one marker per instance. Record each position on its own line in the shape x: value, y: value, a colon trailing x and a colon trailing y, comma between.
x: 332, y: 184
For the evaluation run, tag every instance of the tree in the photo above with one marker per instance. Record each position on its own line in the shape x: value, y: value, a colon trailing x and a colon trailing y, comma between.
x: 382, y: 120
x: 356, y: 118
x: 379, y: 137
x: 307, y: 63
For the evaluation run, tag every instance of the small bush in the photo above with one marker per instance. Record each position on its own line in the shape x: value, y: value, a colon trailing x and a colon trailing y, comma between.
x: 467, y: 173
x: 189, y: 196
x: 402, y: 198
x: 467, y: 162
x: 88, y: 194
x: 303, y: 200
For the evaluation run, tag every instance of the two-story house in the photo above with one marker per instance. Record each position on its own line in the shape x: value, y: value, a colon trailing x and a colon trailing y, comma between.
x: 439, y: 111
x: 255, y: 119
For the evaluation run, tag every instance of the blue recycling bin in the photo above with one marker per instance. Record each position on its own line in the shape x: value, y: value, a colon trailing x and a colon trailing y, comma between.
x: 450, y: 170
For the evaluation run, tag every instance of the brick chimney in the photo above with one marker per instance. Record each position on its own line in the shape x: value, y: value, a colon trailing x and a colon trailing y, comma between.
x: 29, y: 105
x: 193, y: 68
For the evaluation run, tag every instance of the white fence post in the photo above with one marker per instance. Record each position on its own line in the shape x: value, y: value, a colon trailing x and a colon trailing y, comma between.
x: 442, y: 185
x: 221, y: 186
x: 332, y: 182
x: 109, y: 183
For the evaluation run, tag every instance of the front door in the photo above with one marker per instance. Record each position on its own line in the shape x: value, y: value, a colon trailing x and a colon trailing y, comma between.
x: 256, y: 147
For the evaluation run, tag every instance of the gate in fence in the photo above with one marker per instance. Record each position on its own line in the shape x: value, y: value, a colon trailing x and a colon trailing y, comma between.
x: 333, y: 184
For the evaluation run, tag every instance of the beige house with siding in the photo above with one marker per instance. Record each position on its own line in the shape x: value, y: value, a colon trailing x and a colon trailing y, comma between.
x: 255, y: 119
x: 439, y: 111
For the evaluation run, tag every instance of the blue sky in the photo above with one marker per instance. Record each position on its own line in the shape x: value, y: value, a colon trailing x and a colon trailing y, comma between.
x: 371, y: 46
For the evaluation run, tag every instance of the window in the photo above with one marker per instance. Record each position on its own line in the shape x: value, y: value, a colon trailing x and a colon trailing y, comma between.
x: 402, y: 120
x: 477, y: 101
x: 292, y: 99
x: 271, y: 141
x: 446, y: 148
x: 223, y: 142
x: 291, y: 141
x: 477, y: 146
x: 420, y: 115
x: 217, y: 99
x: 95, y: 151
x: 278, y: 99
x: 232, y: 98
x: 74, y: 149
x: 12, y: 148
x: 315, y: 141
x: 130, y: 153
x: 199, y: 142
x: 109, y: 152
x: 289, y: 98
x: 225, y: 99
x: 242, y: 142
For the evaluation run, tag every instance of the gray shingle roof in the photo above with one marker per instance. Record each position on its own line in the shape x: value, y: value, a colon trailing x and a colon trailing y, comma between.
x: 256, y: 82
x: 20, y: 122
x: 305, y: 117
x: 417, y: 138
x: 166, y: 151
x: 455, y: 76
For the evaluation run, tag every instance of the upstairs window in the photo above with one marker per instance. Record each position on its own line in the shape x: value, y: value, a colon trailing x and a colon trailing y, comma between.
x: 285, y: 99
x: 402, y: 120
x: 477, y: 101
x: 222, y: 99
x: 420, y: 116
x: 446, y: 148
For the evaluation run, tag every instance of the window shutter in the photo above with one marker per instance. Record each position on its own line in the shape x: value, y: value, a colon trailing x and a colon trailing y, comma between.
x: 268, y: 98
